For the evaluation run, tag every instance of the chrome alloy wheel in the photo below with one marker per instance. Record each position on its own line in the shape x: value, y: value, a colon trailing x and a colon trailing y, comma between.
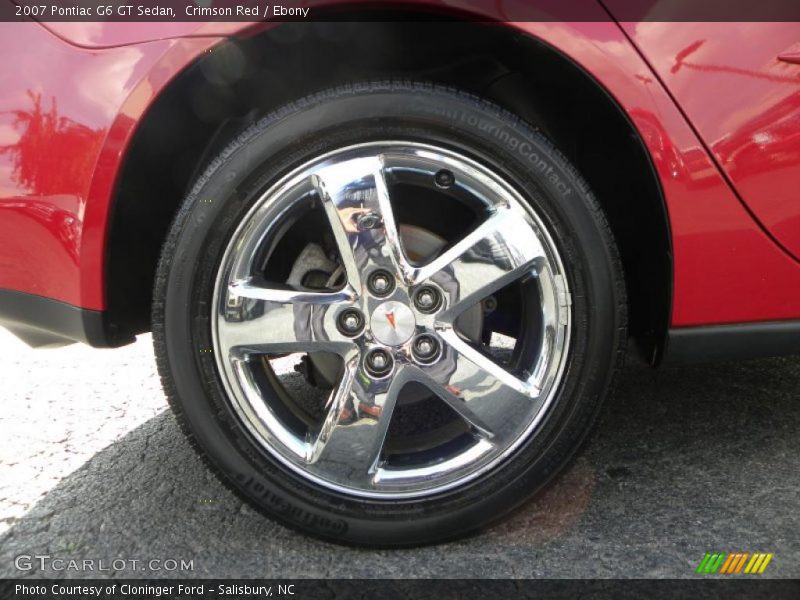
x: 393, y: 321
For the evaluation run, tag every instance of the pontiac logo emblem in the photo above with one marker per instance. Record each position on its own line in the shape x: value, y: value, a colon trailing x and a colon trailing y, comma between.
x: 392, y: 323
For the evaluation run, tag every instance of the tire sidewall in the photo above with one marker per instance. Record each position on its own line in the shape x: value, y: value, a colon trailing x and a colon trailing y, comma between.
x: 331, y: 120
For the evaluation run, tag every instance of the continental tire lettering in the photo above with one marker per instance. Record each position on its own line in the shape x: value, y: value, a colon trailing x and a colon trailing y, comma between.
x: 504, y: 136
x: 290, y: 511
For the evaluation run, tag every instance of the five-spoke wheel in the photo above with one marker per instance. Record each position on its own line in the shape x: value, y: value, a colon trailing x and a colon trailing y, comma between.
x: 392, y: 321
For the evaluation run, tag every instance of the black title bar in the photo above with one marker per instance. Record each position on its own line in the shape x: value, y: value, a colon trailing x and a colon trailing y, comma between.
x: 358, y: 10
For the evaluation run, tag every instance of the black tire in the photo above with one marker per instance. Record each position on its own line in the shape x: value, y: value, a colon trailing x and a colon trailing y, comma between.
x: 312, y: 126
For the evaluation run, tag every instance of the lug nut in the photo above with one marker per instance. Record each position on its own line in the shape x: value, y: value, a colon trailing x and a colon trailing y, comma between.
x: 425, y: 348
x: 381, y: 283
x: 350, y: 321
x: 378, y: 362
x: 427, y: 299
x: 369, y: 220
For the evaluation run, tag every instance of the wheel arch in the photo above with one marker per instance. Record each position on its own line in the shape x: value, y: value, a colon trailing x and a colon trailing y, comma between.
x: 531, y: 70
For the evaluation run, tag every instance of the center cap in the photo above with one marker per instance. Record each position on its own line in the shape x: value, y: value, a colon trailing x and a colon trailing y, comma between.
x: 393, y: 323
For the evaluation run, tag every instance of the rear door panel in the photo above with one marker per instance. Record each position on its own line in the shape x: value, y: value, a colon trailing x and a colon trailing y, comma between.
x: 741, y: 92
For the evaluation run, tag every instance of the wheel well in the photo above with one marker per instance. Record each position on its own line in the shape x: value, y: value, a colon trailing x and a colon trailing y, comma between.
x: 225, y: 90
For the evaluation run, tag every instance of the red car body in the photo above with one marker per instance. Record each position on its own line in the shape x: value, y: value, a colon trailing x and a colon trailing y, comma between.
x: 717, y: 106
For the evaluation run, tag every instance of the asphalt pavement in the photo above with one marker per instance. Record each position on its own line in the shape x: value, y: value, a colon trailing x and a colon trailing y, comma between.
x: 685, y: 461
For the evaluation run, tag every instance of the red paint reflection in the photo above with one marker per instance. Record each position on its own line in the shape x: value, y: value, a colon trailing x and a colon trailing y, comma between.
x: 36, y: 167
x: 49, y: 181
x: 681, y: 62
x: 764, y: 143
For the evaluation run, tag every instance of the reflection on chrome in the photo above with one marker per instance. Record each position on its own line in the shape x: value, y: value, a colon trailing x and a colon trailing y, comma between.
x: 501, y: 407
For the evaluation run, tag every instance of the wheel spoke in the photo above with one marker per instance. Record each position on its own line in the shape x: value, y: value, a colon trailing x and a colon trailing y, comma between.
x: 260, y: 319
x: 485, y: 394
x: 350, y: 441
x: 499, y: 251
x: 356, y: 200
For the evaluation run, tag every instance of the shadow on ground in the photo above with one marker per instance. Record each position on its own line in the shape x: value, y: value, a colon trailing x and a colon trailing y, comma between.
x: 684, y: 461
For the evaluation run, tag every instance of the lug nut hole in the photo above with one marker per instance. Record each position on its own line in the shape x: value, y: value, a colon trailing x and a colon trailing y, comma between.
x: 427, y: 299
x: 350, y: 321
x: 378, y: 362
x: 381, y: 283
x: 368, y: 220
x: 425, y: 348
